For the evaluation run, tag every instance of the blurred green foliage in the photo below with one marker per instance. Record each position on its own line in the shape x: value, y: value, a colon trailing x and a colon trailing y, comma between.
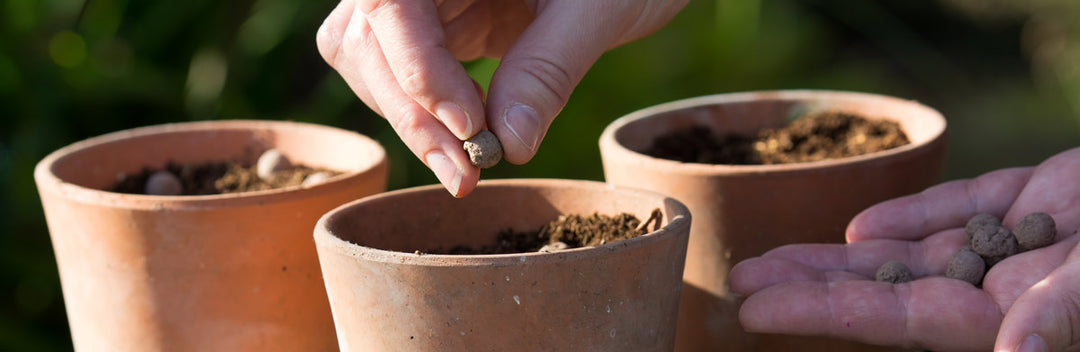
x: 1005, y: 74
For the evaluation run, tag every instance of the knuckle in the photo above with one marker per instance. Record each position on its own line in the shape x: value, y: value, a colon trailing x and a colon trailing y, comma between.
x: 556, y: 81
x: 407, y: 124
x: 328, y: 41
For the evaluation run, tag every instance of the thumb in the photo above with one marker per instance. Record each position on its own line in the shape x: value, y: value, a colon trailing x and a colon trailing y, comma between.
x: 1047, y: 316
x: 541, y: 69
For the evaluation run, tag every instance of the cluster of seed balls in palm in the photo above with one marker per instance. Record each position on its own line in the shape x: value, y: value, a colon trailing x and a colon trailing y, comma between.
x: 988, y: 243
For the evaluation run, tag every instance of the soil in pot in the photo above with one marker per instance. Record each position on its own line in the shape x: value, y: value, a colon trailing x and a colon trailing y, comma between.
x: 818, y: 136
x: 565, y: 232
x: 221, y: 178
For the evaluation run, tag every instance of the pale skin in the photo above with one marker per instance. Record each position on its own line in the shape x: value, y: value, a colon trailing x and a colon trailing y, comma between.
x: 401, y: 57
x: 1028, y: 302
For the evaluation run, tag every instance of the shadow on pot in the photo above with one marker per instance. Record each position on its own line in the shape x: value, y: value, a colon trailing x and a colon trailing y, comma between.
x: 620, y: 296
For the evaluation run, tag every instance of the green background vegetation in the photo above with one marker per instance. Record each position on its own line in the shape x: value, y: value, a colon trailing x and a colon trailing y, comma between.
x: 1005, y: 74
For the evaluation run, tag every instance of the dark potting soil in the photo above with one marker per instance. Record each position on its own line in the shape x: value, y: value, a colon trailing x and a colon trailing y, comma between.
x: 820, y: 136
x: 218, y: 178
x: 574, y: 230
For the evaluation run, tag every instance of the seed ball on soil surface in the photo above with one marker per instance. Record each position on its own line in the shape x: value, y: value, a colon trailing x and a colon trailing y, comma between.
x: 315, y: 178
x: 978, y: 221
x: 966, y: 265
x: 270, y: 162
x: 553, y: 247
x: 994, y: 241
x: 1035, y: 230
x: 163, y: 183
x: 894, y: 272
x: 484, y: 149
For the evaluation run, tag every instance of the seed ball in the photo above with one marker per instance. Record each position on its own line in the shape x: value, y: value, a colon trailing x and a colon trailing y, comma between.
x: 994, y: 241
x: 553, y: 247
x: 978, y: 221
x: 894, y: 272
x: 315, y: 178
x: 163, y: 183
x: 270, y: 162
x: 966, y: 265
x: 1035, y: 230
x: 484, y: 149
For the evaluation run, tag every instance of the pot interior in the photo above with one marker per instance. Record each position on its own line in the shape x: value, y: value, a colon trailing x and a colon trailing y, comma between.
x: 429, y: 218
x: 747, y: 113
x: 100, y: 162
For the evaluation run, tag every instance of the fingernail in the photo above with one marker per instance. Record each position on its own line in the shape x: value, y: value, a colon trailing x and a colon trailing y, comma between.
x: 445, y: 170
x: 455, y: 119
x: 1033, y: 343
x: 524, y: 124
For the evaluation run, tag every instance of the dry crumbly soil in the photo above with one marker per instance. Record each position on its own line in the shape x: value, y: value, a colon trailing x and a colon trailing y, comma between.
x: 218, y: 178
x: 821, y: 136
x: 575, y: 230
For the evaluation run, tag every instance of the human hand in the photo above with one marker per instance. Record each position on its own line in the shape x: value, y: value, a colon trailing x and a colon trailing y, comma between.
x: 401, y: 58
x: 828, y: 289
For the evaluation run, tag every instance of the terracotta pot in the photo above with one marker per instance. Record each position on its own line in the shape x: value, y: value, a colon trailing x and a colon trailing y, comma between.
x: 620, y: 296
x: 743, y: 211
x: 232, y: 272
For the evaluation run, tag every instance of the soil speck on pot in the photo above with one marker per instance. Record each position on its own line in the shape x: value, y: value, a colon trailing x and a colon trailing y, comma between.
x: 217, y: 178
x: 894, y: 272
x: 818, y: 136
x: 565, y: 232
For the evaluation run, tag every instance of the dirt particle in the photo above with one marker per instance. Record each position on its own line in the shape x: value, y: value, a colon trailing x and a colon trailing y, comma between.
x: 1035, y: 230
x: 818, y: 136
x: 966, y: 265
x: 894, y: 272
x: 571, y: 230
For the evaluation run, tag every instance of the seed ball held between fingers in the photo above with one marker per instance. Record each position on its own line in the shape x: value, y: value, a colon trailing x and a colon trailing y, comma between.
x: 967, y: 266
x: 484, y: 149
x: 271, y: 161
x: 994, y: 241
x: 979, y: 221
x: 894, y: 272
x: 1035, y: 230
x: 163, y: 183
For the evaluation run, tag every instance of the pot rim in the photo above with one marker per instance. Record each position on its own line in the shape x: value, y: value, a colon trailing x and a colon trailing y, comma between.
x: 678, y: 225
x: 48, y: 181
x: 609, y: 144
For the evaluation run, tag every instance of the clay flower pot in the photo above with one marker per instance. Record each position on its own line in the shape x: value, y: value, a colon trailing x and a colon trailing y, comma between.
x: 743, y: 211
x: 231, y: 272
x: 621, y: 296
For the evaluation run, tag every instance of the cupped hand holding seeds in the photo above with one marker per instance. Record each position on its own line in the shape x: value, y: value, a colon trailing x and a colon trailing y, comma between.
x: 401, y: 58
x: 829, y: 289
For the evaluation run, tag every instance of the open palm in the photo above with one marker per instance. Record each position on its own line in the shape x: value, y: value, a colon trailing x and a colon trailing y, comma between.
x: 828, y: 289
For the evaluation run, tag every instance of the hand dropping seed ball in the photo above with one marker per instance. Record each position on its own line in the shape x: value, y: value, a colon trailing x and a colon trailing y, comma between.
x: 163, y: 183
x: 271, y: 161
x: 894, y: 272
x: 484, y: 149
